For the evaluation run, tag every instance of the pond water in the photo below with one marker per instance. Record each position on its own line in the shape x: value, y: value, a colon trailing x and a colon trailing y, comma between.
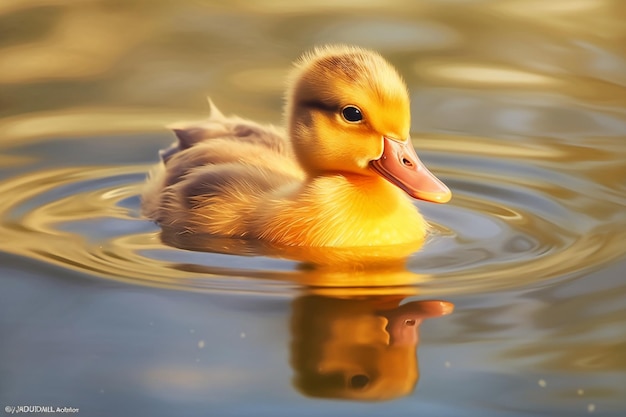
x: 514, y: 306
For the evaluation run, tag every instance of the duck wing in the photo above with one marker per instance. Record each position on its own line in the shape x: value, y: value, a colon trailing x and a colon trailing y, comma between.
x: 217, y: 166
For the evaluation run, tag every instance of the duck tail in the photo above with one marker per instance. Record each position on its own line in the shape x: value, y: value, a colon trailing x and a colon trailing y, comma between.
x: 188, y: 134
x: 213, y: 110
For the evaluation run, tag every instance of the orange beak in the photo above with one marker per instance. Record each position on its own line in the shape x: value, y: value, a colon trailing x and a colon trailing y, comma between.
x: 400, y: 165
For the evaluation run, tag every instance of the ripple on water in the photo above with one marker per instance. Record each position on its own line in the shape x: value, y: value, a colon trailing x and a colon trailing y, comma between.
x: 514, y: 220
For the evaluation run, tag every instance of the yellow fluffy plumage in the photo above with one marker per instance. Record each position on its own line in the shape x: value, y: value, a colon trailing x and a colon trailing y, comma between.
x: 341, y: 175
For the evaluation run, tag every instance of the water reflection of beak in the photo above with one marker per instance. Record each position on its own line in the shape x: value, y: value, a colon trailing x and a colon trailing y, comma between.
x: 403, y: 322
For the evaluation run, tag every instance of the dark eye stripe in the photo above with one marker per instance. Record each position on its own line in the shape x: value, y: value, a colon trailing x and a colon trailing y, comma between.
x: 319, y: 105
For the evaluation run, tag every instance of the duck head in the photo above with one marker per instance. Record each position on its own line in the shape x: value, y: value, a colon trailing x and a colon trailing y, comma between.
x: 348, y: 112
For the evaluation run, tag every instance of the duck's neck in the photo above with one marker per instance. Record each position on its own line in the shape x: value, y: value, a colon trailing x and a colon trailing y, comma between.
x: 342, y: 210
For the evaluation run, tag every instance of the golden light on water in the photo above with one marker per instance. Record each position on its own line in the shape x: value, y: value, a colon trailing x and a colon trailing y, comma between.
x: 477, y: 74
x: 517, y: 105
x: 80, y: 121
x: 42, y: 226
x: 85, y: 42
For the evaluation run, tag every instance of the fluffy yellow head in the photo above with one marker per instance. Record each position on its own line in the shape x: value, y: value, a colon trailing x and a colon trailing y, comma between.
x: 342, y: 102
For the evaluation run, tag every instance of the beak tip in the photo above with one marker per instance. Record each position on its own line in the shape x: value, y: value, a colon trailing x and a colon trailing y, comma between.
x: 439, y: 197
x: 444, y: 197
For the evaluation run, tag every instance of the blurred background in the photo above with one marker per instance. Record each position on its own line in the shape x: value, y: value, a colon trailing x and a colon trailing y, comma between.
x: 515, y: 66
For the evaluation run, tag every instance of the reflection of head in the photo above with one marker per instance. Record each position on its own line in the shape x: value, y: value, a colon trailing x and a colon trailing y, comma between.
x: 362, y: 348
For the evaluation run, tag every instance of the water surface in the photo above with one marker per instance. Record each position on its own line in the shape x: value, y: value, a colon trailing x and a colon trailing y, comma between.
x: 514, y: 305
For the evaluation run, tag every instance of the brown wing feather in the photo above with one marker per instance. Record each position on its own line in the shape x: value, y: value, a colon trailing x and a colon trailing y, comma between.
x: 222, y: 163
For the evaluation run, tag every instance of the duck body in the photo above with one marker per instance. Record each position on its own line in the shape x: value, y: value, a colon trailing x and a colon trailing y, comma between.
x: 241, y: 179
x: 327, y: 181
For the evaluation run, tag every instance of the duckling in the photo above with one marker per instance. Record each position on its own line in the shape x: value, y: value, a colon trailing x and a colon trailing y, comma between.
x: 341, y: 175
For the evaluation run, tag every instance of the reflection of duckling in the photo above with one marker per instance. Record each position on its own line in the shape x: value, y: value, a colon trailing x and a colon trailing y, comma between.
x: 340, y: 262
x: 358, y: 348
x: 340, y: 180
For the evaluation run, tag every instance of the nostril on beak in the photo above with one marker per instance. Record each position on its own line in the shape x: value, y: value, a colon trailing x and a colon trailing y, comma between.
x: 407, y: 163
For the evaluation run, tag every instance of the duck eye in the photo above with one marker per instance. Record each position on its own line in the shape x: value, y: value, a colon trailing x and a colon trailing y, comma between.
x: 352, y: 114
x: 359, y: 381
